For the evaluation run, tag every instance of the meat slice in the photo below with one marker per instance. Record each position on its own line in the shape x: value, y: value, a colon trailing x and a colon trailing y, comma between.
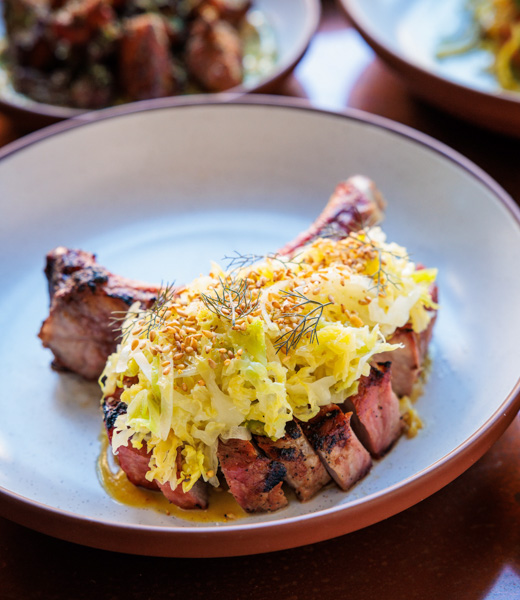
x: 254, y: 480
x: 78, y: 21
x: 84, y: 296
x: 331, y: 435
x: 232, y: 11
x: 135, y: 463
x: 408, y: 361
x: 354, y: 204
x: 376, y: 419
x: 214, y: 55
x: 305, y: 471
x: 144, y: 58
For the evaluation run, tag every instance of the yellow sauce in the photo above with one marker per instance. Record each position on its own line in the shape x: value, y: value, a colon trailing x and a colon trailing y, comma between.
x: 409, y: 414
x: 222, y: 506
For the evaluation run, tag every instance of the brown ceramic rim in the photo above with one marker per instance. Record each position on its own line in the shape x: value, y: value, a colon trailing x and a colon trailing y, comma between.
x: 498, y: 112
x: 39, y: 114
x: 236, y: 540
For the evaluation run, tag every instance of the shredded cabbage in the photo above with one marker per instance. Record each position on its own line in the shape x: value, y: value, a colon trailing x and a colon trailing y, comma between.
x: 247, y: 351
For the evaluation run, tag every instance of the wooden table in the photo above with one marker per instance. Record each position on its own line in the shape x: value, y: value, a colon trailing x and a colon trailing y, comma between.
x: 461, y: 543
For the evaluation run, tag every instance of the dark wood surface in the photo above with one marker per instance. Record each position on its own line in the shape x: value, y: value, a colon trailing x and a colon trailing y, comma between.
x: 461, y: 543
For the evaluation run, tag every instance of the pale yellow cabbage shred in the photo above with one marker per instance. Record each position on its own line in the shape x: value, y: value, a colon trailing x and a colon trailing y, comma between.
x: 239, y: 381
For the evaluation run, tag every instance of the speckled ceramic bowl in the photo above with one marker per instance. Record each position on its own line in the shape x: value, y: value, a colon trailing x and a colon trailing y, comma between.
x: 291, y: 23
x: 410, y: 36
x: 194, y: 180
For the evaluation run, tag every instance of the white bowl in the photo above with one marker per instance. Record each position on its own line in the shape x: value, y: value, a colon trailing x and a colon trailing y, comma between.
x: 157, y: 191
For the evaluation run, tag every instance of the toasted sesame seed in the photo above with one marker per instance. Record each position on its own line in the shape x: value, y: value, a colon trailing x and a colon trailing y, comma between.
x: 212, y: 363
x: 210, y: 474
x: 227, y: 361
x: 167, y: 370
x: 201, y: 382
x: 184, y: 386
x: 134, y: 345
x: 207, y: 349
x: 178, y: 355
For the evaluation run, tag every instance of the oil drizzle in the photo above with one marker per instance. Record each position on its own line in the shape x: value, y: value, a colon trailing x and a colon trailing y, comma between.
x: 222, y: 506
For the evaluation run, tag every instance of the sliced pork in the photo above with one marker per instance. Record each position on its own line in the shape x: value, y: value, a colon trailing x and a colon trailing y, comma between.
x: 344, y: 456
x: 254, y: 480
x: 305, y: 471
x: 80, y: 328
x: 376, y: 416
x: 408, y: 361
x: 135, y: 462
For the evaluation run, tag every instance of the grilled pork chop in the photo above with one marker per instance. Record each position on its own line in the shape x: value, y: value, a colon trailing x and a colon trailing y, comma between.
x: 80, y: 333
x: 84, y: 295
x: 83, y: 299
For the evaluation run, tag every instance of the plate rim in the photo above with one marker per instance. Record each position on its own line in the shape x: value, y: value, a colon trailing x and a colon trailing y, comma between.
x: 50, y: 113
x: 492, y: 105
x: 237, y: 539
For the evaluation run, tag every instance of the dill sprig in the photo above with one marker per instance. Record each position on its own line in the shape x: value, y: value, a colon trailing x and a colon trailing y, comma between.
x: 240, y: 261
x: 381, y: 277
x: 234, y: 301
x: 149, y: 319
x: 308, y: 324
